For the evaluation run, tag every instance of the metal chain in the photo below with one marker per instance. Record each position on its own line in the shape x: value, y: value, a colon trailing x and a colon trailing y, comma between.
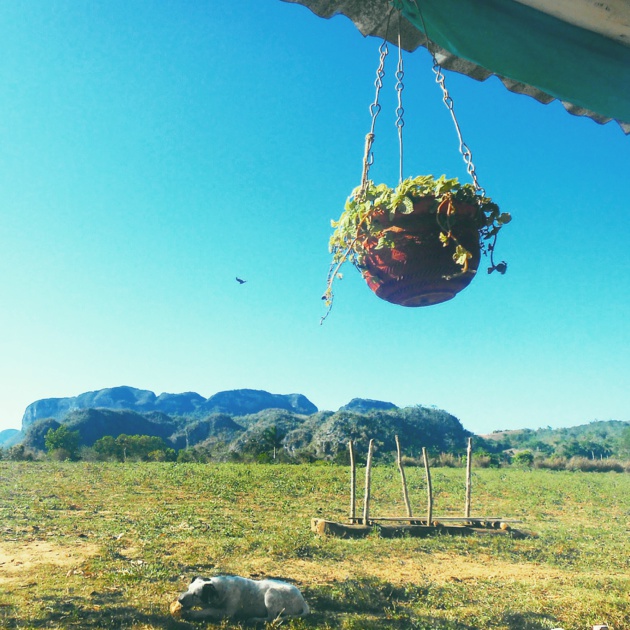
x: 375, y: 108
x: 400, y: 86
x: 368, y: 160
x: 463, y: 147
x: 448, y: 101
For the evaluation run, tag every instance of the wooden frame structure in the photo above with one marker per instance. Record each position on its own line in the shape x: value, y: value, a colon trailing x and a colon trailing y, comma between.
x: 389, y: 526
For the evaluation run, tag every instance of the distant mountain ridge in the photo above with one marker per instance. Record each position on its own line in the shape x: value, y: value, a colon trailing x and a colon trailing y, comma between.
x: 361, y: 405
x: 322, y: 435
x: 243, y: 422
x: 236, y: 402
x: 9, y: 437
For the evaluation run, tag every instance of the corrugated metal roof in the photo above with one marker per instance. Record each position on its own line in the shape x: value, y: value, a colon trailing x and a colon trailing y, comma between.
x: 576, y: 51
x: 610, y: 19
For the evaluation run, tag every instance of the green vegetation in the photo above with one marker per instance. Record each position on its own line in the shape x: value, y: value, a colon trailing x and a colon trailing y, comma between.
x: 356, y: 222
x: 62, y: 443
x: 555, y: 448
x: 134, y: 447
x: 281, y: 436
x: 109, y: 545
x: 371, y: 208
x: 274, y: 433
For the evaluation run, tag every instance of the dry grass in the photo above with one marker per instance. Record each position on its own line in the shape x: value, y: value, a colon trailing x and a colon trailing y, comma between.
x: 110, y: 545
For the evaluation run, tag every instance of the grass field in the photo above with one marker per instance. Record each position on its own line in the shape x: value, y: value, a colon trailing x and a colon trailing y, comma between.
x: 86, y: 545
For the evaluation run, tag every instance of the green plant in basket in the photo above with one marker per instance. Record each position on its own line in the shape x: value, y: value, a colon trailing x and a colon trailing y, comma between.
x: 419, y: 243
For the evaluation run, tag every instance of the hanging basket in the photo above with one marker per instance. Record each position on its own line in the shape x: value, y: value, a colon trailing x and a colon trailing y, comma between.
x: 419, y: 269
x: 418, y: 244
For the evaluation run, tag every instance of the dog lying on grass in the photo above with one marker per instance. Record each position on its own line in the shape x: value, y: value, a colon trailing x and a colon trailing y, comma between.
x: 238, y: 598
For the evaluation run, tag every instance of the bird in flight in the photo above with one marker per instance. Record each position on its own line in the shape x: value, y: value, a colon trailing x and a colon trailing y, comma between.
x: 240, y: 281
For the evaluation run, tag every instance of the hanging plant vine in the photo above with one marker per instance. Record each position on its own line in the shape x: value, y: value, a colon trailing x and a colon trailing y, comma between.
x: 379, y: 224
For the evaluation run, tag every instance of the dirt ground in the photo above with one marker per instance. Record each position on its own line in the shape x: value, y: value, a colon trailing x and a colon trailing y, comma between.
x: 438, y: 568
x: 17, y: 560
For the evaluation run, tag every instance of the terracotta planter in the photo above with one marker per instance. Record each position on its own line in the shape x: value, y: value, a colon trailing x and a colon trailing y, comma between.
x: 419, y: 270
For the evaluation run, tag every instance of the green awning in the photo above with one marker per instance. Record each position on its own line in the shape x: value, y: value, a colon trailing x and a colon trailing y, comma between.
x: 576, y: 51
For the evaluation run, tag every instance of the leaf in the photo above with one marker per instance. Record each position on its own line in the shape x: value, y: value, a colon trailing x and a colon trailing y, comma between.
x: 443, y: 185
x: 408, y: 205
x: 462, y: 256
x: 501, y: 267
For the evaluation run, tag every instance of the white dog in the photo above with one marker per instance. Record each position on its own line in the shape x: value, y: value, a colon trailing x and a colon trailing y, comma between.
x: 239, y: 598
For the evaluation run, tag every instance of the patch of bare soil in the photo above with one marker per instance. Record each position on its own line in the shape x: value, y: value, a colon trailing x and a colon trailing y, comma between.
x: 18, y: 559
x: 439, y: 568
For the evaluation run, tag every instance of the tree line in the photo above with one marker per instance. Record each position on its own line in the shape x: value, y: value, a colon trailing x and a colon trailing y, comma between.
x: 267, y: 446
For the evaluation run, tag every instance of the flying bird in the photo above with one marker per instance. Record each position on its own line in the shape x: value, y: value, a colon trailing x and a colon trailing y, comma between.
x: 240, y: 281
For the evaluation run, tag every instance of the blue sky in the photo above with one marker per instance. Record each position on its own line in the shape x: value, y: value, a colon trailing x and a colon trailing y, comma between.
x: 152, y: 151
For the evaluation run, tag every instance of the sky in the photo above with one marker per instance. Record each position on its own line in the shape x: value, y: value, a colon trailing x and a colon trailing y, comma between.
x: 150, y: 152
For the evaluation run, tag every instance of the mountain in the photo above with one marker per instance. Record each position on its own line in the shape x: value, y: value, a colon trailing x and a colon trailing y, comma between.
x: 240, y: 402
x: 10, y: 437
x: 93, y: 424
x: 326, y: 435
x: 216, y: 427
x: 600, y: 438
x: 190, y: 404
x: 250, y: 422
x: 361, y: 405
x: 321, y: 435
x: 111, y: 398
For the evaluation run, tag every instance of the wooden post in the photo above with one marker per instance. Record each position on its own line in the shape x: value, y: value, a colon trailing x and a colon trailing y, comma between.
x: 429, y: 487
x: 353, y: 483
x: 368, y: 474
x: 468, y: 478
x: 404, y: 480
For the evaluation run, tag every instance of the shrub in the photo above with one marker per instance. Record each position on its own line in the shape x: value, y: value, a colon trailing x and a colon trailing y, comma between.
x: 481, y: 459
x: 162, y: 455
x: 447, y: 460
x: 550, y: 463
x: 411, y: 462
x: 62, y: 443
x: 188, y: 456
x: 523, y: 458
x: 585, y: 464
x: 19, y: 453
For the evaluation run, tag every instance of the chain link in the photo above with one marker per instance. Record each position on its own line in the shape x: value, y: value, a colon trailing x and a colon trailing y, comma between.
x: 400, y: 111
x: 375, y: 108
x: 448, y: 101
x: 463, y: 147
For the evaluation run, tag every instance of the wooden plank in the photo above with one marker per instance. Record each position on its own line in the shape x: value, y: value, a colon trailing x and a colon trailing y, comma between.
x: 402, y: 476
x: 451, y: 519
x: 368, y: 479
x: 468, y: 478
x: 341, y: 530
x: 353, y: 482
x: 344, y: 530
x: 427, y: 473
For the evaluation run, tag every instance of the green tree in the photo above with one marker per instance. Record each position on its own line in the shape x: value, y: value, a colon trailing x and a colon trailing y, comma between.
x: 19, y: 453
x: 108, y: 448
x: 524, y: 458
x: 572, y: 448
x: 136, y: 447
x: 596, y: 449
x: 162, y: 455
x: 145, y: 447
x: 272, y: 439
x: 62, y: 443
